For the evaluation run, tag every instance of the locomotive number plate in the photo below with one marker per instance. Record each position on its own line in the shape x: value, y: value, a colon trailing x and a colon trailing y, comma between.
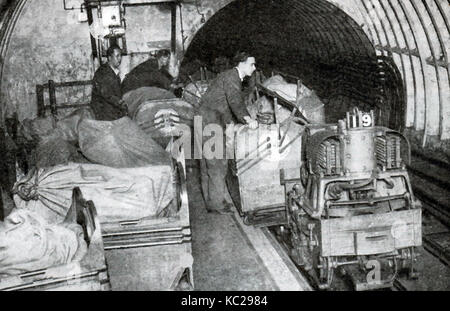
x: 366, y: 120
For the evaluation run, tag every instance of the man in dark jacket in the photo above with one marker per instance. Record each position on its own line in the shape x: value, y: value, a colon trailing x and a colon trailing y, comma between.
x: 152, y: 72
x: 223, y: 103
x: 106, y: 97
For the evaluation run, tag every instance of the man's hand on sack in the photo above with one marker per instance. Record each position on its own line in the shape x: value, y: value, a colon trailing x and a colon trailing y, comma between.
x: 252, y: 124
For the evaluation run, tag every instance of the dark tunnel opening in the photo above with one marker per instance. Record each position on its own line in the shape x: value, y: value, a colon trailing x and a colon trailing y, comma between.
x: 313, y: 40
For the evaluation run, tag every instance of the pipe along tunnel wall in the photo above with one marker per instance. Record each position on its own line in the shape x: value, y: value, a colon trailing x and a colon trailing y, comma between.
x: 390, y: 55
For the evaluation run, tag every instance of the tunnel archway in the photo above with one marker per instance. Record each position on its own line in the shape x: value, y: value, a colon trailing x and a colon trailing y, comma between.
x: 311, y: 39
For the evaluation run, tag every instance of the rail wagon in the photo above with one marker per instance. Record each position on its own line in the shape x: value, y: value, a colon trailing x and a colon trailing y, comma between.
x: 152, y: 253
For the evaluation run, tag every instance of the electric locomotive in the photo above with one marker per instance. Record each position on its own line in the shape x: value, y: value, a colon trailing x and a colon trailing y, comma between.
x: 339, y: 193
x: 353, y: 207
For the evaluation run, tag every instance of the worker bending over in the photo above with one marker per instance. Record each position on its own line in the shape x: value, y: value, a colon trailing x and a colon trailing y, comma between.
x: 152, y: 72
x: 222, y: 104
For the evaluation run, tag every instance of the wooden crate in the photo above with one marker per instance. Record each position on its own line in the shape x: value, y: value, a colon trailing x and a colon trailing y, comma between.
x: 89, y: 274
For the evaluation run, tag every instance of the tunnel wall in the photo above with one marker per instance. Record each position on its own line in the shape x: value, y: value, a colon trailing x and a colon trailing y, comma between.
x: 46, y: 43
x: 40, y: 40
x: 313, y: 40
x: 414, y: 33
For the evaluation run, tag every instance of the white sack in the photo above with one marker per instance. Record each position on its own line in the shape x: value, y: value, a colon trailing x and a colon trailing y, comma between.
x: 118, y: 194
x: 28, y: 242
x: 286, y: 90
x: 193, y: 92
x: 310, y: 104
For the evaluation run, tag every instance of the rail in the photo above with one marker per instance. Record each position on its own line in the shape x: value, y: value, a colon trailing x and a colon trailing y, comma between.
x: 433, y: 173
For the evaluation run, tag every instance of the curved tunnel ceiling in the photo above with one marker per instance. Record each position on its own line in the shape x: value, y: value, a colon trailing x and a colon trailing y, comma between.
x: 309, y: 27
x: 409, y: 38
x: 313, y: 40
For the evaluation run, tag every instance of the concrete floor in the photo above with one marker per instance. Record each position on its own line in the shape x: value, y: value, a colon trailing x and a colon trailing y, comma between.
x: 226, y: 260
x: 223, y: 258
x: 227, y: 256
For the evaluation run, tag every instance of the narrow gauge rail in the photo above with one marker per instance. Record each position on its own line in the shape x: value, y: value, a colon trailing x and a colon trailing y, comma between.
x: 431, y: 184
x: 437, y: 210
x: 434, y: 174
x: 435, y: 248
x: 341, y: 281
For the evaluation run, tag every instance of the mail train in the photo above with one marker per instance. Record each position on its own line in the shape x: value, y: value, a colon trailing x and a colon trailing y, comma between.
x: 338, y: 195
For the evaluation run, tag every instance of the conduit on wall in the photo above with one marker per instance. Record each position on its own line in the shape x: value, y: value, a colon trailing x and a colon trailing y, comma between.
x: 416, y: 34
x: 314, y: 40
x: 421, y: 44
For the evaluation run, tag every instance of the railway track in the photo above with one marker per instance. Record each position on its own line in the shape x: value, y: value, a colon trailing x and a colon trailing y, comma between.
x: 433, y: 206
x: 431, y: 174
x: 341, y: 282
x: 432, y: 244
x: 431, y: 183
x: 430, y: 180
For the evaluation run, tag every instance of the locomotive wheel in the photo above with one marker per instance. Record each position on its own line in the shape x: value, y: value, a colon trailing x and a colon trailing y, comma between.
x: 296, y: 252
x: 322, y: 270
x: 323, y: 263
x: 412, y: 273
x: 326, y: 273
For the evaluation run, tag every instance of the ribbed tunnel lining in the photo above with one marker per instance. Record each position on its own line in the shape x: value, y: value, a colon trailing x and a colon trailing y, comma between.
x: 311, y: 39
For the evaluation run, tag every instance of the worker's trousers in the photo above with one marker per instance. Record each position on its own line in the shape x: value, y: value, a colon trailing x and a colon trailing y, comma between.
x: 213, y: 173
x: 212, y: 176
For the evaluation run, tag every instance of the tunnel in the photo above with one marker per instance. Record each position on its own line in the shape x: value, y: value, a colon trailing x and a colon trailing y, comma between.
x: 387, y: 55
x: 315, y: 41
